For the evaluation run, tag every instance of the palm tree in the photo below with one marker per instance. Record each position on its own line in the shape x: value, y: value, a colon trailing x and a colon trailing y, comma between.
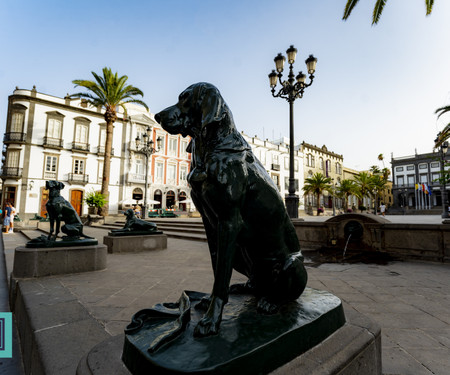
x: 445, y: 133
x: 108, y: 91
x: 379, y: 186
x: 347, y: 188
x: 364, y: 185
x: 379, y: 6
x: 316, y: 185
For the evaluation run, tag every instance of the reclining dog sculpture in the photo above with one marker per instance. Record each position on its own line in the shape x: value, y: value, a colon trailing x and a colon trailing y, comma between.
x: 246, y: 222
x: 133, y: 226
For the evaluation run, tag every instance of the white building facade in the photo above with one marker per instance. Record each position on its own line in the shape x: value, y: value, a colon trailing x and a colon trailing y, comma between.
x: 51, y: 138
x: 274, y: 156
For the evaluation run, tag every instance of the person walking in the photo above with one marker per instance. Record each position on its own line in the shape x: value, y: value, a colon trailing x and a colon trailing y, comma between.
x: 7, y: 217
x: 382, y: 209
x: 11, y: 217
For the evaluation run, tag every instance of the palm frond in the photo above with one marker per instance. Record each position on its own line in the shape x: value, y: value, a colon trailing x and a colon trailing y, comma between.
x: 379, y: 6
x: 429, y: 5
x: 348, y: 8
x: 442, y: 110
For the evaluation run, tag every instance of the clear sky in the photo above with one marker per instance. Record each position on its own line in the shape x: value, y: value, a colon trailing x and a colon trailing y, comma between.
x: 375, y: 91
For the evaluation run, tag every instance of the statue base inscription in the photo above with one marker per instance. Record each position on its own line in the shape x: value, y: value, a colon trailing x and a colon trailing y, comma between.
x: 160, y: 340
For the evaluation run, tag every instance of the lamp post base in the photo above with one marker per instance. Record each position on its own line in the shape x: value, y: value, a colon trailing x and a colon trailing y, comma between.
x: 445, y: 214
x: 292, y: 205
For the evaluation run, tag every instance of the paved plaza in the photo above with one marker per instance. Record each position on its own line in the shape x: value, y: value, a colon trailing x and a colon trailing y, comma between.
x: 409, y: 300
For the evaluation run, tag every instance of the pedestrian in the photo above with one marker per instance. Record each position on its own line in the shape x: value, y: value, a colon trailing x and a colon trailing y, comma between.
x: 13, y: 214
x: 7, y: 217
x: 382, y: 209
x: 137, y: 211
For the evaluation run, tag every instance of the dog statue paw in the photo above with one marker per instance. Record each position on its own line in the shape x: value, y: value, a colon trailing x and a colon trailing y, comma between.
x: 210, y: 323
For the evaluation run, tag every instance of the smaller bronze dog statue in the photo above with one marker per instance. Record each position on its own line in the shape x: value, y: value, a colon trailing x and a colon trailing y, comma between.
x: 135, y: 225
x: 59, y: 209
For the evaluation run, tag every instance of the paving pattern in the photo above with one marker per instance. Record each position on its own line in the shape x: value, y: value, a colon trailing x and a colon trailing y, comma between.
x: 409, y: 300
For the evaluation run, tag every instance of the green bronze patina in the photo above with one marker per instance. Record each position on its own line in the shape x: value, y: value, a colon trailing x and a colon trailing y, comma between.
x: 135, y: 227
x: 58, y: 210
x: 161, y: 341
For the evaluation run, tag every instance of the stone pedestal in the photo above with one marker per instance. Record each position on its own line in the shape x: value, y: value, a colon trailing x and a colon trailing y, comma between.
x: 39, y: 262
x: 125, y: 244
x: 307, y: 337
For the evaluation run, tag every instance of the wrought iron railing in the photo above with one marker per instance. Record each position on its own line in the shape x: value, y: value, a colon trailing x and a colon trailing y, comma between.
x: 80, y: 146
x: 78, y: 178
x: 14, y: 137
x: 53, y: 142
x: 11, y: 172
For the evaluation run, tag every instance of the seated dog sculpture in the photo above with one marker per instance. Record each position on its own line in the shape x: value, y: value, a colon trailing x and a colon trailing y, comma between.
x: 133, y: 225
x: 58, y: 210
x: 246, y: 222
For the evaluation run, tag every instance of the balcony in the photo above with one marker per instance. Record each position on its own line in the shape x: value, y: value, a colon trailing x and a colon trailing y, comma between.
x: 80, y: 179
x: 53, y: 143
x: 275, y: 167
x: 11, y: 172
x: 101, y: 150
x: 80, y: 147
x: 14, y: 137
x: 138, y: 178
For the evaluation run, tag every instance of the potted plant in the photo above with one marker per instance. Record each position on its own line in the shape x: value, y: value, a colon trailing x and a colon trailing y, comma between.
x: 95, y: 200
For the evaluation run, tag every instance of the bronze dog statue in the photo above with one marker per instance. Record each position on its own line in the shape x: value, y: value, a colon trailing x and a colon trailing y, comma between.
x: 246, y: 222
x: 135, y: 225
x: 59, y: 209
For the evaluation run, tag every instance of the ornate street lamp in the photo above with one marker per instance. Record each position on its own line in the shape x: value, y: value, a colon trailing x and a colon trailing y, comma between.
x: 444, y: 149
x: 291, y: 89
x: 148, y: 150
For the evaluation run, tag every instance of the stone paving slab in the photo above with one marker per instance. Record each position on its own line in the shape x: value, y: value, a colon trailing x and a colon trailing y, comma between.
x: 409, y: 300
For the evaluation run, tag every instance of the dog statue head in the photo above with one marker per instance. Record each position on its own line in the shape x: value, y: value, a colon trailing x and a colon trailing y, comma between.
x: 200, y: 105
x: 54, y: 185
x: 129, y: 213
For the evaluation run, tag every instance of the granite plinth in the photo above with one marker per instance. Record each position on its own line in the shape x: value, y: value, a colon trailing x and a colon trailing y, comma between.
x: 39, y: 262
x: 122, y: 244
x: 355, y: 346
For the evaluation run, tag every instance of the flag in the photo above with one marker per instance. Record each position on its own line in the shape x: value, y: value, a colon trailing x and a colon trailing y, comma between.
x: 429, y: 190
x: 424, y: 188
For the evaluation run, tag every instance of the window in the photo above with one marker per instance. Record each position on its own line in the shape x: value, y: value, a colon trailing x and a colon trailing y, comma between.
x: 399, y: 169
x: 310, y: 162
x: 286, y: 163
x: 50, y: 167
x: 276, y: 179
x: 410, y: 180
x: 78, y: 166
x: 171, y: 173
x: 263, y: 157
x: 410, y: 168
x: 159, y: 172
x: 183, y: 152
x: 102, y: 137
x: 286, y: 184
x: 423, y: 166
x: 100, y: 172
x: 173, y: 146
x: 183, y: 174
x: 54, y: 128
x: 140, y: 131
x: 338, y: 168
x: 81, y: 133
x: 400, y: 181
x: 163, y: 142
x: 17, y: 122
x: 13, y: 158
x: 435, y: 177
x: 435, y: 164
x: 327, y: 168
x: 139, y: 165
x: 423, y: 179
x: 275, y: 158
x: 321, y: 163
x: 296, y: 165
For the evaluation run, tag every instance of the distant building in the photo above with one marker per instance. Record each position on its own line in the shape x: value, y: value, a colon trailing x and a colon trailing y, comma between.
x: 410, y: 171
x: 328, y: 163
x: 274, y: 155
x: 51, y: 138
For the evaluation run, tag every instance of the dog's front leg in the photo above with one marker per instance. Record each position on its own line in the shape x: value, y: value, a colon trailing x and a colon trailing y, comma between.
x: 52, y: 227
x: 227, y: 233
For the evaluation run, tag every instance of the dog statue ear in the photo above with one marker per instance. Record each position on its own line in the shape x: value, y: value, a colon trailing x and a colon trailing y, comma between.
x: 61, y: 185
x: 213, y: 106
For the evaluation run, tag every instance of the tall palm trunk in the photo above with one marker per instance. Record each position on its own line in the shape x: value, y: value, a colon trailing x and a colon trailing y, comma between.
x: 110, y: 117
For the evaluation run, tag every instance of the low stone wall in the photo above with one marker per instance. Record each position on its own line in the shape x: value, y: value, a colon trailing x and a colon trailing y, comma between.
x: 127, y: 244
x: 363, y: 232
